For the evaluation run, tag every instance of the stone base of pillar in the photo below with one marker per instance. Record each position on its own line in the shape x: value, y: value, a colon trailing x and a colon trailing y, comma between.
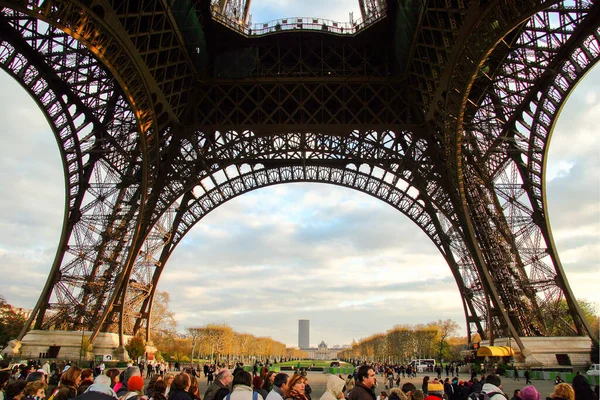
x: 13, y: 349
x: 66, y: 345
x: 121, y: 354
x: 544, y: 352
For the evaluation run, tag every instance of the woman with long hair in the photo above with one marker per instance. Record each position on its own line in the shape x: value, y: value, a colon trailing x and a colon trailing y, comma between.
x: 582, y: 388
x: 169, y: 377
x: 425, y: 384
x: 69, y: 381
x: 295, y: 388
x: 160, y: 390
x: 150, y: 388
x: 268, y: 383
x: 115, y: 379
x: 562, y: 391
x: 257, y: 386
x: 194, y: 390
x: 180, y: 387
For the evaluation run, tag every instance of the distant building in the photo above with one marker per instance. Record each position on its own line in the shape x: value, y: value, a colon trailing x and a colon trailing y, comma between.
x: 303, y: 333
x: 322, y: 352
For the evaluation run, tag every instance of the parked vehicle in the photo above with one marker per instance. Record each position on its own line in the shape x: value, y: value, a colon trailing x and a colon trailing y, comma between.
x: 594, y: 370
x: 423, y: 364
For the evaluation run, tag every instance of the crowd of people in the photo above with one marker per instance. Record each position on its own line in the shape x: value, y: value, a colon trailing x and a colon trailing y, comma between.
x: 69, y: 382
x: 486, y: 388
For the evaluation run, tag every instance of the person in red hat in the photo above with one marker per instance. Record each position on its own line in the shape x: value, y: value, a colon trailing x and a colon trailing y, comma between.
x: 135, y: 385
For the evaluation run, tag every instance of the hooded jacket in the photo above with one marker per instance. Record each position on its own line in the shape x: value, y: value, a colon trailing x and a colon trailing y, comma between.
x: 98, y: 391
x: 334, y: 388
x: 488, y: 388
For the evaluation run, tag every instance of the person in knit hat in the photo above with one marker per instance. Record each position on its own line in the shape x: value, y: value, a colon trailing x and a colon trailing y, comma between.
x: 127, y: 374
x: 530, y: 393
x: 135, y: 384
x: 435, y: 390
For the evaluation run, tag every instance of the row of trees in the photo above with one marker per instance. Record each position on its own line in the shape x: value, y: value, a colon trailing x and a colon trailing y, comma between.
x: 214, y: 341
x: 210, y: 342
x: 217, y: 341
x: 403, y: 343
x: 11, y: 322
x: 221, y: 339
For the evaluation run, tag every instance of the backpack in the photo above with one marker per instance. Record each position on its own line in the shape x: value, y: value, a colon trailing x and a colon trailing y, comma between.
x: 483, y: 396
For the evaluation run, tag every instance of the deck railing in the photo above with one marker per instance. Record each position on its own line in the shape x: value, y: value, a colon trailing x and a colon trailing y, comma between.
x: 298, y: 23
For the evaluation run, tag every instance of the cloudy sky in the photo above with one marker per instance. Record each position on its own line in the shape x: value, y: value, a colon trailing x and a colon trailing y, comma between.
x: 350, y: 264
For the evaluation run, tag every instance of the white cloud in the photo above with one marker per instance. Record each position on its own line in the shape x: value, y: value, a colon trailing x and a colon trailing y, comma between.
x: 336, y: 10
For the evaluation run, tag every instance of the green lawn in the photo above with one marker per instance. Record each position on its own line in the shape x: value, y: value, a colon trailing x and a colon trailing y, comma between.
x: 308, y: 363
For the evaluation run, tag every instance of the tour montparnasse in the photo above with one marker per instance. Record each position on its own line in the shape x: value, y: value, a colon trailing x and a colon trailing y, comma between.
x: 165, y: 110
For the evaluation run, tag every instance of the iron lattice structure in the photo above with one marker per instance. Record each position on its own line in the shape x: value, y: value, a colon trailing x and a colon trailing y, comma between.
x: 165, y: 110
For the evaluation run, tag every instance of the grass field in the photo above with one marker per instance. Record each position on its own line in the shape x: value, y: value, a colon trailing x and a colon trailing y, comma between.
x: 309, y: 363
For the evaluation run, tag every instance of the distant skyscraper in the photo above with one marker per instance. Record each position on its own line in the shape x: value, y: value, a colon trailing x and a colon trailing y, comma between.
x: 303, y: 333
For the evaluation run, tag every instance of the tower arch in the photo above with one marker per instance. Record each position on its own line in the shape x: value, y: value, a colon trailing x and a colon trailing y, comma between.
x: 455, y: 135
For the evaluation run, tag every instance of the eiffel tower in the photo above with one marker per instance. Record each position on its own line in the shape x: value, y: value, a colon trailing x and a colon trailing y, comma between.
x: 164, y: 110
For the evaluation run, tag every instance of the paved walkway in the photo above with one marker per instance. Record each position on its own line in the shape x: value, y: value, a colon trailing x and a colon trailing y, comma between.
x: 318, y: 383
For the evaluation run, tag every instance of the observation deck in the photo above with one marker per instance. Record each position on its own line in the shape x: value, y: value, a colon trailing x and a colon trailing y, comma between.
x: 297, y: 23
x: 234, y: 15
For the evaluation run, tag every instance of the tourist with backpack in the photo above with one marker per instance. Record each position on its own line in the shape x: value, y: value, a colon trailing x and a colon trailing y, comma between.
x: 242, y: 388
x: 491, y: 390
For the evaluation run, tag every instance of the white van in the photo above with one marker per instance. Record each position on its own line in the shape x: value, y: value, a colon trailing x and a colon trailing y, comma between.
x: 594, y: 370
x: 423, y: 364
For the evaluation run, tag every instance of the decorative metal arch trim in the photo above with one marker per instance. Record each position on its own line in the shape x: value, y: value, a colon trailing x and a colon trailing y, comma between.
x: 494, y: 25
x: 62, y: 124
x: 81, y: 23
x: 84, y: 151
x: 465, y: 169
x: 193, y: 209
x: 522, y: 143
x: 402, y: 154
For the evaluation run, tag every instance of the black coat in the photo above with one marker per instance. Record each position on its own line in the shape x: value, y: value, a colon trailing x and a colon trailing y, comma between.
x: 94, y: 396
x: 179, y: 394
x: 361, y: 392
x: 66, y: 393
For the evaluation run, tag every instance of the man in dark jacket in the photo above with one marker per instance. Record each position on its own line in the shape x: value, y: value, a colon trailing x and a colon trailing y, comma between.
x: 222, y: 380
x: 365, y: 382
